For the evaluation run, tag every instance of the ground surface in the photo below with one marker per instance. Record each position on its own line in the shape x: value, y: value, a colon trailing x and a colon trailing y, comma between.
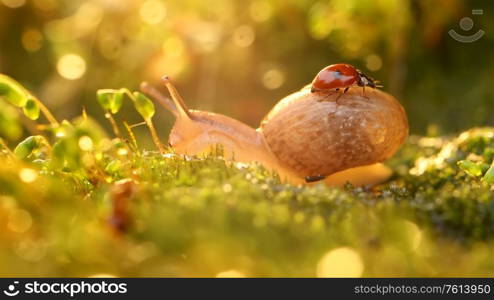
x: 93, y: 206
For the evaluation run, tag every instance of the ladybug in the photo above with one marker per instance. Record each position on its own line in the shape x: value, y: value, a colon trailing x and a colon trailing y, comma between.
x: 341, y: 76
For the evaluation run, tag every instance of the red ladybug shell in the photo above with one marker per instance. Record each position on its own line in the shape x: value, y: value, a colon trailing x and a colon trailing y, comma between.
x: 341, y: 76
x: 336, y: 76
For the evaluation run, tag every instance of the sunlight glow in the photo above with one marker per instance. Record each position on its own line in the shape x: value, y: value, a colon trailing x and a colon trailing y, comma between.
x: 244, y: 36
x: 102, y: 275
x: 87, y: 17
x: 273, y: 79
x: 340, y: 262
x: 71, y: 66
x: 230, y: 274
x: 45, y: 5
x: 414, y: 233
x: 28, y: 175
x: 227, y: 188
x: 19, y: 221
x: 13, y: 3
x: 152, y: 12
x: 32, y: 40
x: 260, y: 11
x: 122, y: 151
x: 374, y: 62
x: 86, y: 143
x: 173, y: 47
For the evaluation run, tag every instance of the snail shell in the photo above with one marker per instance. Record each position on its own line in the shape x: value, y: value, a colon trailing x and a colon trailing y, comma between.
x: 318, y: 134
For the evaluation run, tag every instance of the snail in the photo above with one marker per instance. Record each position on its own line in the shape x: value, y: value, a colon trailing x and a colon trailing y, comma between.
x: 308, y: 136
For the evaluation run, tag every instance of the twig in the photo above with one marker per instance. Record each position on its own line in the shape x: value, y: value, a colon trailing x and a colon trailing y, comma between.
x: 46, y: 112
x: 113, y: 123
x: 150, y: 125
x: 131, y: 135
x: 137, y: 124
x: 4, y: 146
x: 155, y: 137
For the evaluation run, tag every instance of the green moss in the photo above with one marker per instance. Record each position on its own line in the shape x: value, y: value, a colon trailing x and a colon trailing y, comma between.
x: 171, y: 216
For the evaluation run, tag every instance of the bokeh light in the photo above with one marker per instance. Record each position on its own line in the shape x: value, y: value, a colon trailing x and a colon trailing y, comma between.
x: 230, y: 274
x: 173, y: 47
x: 87, y: 17
x: 122, y: 151
x: 260, y: 11
x: 102, y: 275
x: 414, y: 234
x: 373, y: 62
x: 340, y: 262
x: 45, y: 5
x: 19, y: 221
x: 71, y: 66
x: 28, y: 175
x: 32, y: 40
x: 85, y: 143
x: 13, y: 3
x: 273, y: 79
x: 152, y: 12
x: 244, y: 36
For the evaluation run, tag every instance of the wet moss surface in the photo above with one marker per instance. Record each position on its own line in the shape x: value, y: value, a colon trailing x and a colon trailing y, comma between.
x: 93, y: 205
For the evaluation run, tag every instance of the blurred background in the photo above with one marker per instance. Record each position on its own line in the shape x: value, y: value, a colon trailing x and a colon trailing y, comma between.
x: 240, y: 57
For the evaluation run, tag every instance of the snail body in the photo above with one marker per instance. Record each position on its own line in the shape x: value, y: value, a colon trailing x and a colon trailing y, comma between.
x: 307, y: 136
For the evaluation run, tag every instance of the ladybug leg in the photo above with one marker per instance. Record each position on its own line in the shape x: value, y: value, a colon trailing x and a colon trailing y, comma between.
x: 327, y: 96
x: 339, y: 96
x: 363, y: 93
